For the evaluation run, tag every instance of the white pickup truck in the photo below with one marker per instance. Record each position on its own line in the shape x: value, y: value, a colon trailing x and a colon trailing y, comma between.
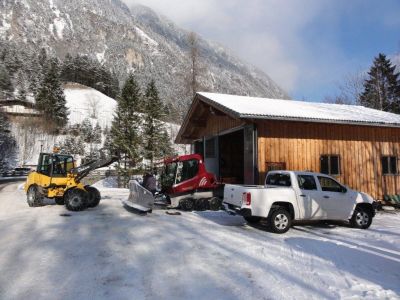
x: 292, y: 195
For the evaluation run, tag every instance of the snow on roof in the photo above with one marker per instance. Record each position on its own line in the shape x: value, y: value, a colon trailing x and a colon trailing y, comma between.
x: 264, y: 108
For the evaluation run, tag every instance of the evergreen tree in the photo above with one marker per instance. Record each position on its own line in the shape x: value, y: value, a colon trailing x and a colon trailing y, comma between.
x: 6, y: 86
x: 382, y: 88
x: 156, y: 139
x: 97, y: 134
x: 125, y: 130
x: 7, y: 143
x: 73, y: 145
x: 86, y: 131
x: 50, y: 99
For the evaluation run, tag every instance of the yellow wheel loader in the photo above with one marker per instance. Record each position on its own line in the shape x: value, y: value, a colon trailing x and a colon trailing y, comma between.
x: 58, y: 178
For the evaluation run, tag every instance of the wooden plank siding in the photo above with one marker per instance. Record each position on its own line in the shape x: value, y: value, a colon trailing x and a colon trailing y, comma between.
x: 216, y: 124
x: 301, y: 144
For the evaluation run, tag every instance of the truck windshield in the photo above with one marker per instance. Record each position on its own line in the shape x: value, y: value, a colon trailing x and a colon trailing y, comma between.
x: 278, y: 179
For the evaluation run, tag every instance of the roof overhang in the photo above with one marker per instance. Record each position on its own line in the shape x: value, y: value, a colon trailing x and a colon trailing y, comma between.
x: 202, y: 106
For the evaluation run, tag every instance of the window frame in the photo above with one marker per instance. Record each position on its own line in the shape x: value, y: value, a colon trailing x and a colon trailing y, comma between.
x: 342, y: 187
x: 330, y: 164
x: 389, y: 168
x: 307, y: 175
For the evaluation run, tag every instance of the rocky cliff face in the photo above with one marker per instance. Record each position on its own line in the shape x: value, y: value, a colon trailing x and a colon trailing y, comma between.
x: 129, y: 40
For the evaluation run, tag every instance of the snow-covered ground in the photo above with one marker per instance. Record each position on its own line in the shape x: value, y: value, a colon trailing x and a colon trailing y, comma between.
x: 111, y: 253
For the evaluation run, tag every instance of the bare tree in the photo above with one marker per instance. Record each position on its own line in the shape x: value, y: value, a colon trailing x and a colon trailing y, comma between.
x: 350, y: 89
x: 93, y: 106
x: 193, y: 83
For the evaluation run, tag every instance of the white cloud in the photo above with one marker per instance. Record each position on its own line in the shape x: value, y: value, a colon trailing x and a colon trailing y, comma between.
x: 294, y: 42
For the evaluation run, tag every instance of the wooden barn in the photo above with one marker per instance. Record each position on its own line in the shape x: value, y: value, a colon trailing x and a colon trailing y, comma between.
x: 242, y: 138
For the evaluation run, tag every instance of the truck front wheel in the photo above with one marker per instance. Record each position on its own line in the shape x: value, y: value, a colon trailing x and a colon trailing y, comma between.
x: 280, y: 220
x: 362, y: 218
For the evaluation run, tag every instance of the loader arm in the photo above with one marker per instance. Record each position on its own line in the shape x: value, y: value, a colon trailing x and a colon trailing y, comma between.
x: 83, y: 170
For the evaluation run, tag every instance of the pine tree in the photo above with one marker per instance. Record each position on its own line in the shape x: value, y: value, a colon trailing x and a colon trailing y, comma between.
x: 155, y: 136
x: 73, y: 145
x: 6, y: 86
x: 125, y: 130
x: 50, y: 99
x: 97, y: 134
x: 382, y: 88
x: 7, y: 142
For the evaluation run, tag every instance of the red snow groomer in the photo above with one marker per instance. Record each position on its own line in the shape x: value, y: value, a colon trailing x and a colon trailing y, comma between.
x: 185, y: 184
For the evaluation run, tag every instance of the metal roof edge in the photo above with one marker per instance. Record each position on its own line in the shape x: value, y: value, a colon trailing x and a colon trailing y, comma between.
x: 316, y: 120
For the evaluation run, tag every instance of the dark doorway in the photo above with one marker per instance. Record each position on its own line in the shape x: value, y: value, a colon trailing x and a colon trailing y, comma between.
x: 199, y: 148
x: 231, y: 157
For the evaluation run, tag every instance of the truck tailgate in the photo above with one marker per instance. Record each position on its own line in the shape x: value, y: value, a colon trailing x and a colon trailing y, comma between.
x: 233, y: 193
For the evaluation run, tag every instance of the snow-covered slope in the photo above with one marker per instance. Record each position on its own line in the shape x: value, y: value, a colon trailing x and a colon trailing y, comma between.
x: 85, y: 102
x: 82, y: 102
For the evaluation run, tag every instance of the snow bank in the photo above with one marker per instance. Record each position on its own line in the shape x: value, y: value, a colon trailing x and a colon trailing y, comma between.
x: 109, y: 182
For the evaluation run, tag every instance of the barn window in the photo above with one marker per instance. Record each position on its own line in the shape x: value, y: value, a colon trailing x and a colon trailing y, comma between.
x: 330, y: 164
x: 389, y: 165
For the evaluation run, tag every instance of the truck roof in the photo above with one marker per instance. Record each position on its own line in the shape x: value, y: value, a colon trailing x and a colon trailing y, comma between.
x: 299, y: 172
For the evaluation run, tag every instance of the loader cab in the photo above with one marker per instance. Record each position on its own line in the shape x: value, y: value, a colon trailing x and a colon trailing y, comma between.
x: 55, y: 165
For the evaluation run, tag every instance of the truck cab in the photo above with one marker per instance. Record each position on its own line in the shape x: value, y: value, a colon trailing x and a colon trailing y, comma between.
x: 302, y: 196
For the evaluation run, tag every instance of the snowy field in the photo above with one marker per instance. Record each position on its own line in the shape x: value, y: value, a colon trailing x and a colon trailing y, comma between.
x: 111, y: 253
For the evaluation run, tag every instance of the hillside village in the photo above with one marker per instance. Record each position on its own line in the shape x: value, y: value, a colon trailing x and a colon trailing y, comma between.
x: 140, y: 160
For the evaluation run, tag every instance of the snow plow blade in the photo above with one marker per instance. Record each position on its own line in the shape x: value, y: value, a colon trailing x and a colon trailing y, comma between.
x: 139, y: 198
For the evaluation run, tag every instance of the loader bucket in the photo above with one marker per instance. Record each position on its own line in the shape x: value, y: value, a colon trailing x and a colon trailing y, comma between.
x: 139, y: 198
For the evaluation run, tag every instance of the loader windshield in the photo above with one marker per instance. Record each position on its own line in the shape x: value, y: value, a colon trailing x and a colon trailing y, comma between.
x: 62, y: 165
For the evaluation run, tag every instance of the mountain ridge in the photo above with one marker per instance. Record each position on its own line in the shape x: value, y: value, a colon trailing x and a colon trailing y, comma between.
x: 127, y: 40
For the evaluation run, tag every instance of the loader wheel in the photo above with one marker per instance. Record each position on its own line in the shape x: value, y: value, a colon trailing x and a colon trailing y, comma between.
x: 76, y: 199
x: 33, y: 197
x: 93, y: 196
x: 215, y: 203
x: 186, y: 204
x: 59, y: 200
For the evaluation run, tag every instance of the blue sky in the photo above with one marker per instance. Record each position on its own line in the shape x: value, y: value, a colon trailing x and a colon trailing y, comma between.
x: 307, y: 46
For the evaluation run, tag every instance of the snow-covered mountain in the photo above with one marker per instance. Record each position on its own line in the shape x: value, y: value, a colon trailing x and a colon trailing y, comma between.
x: 129, y: 40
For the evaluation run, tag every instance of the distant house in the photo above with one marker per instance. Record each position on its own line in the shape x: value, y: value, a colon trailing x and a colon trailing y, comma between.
x: 242, y: 138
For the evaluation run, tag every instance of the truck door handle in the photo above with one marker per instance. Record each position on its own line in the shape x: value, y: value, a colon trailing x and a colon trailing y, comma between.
x: 326, y: 197
x: 303, y: 196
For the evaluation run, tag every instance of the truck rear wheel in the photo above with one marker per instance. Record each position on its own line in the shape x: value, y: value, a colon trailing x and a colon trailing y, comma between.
x: 280, y: 220
x: 76, y: 199
x: 93, y: 196
x: 33, y: 196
